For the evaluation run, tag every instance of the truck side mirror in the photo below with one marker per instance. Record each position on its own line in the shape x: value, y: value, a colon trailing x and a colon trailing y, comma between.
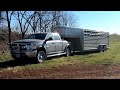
x: 48, y: 39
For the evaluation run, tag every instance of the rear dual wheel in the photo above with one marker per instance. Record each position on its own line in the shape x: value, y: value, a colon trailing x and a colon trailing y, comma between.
x: 102, y: 48
x: 68, y: 51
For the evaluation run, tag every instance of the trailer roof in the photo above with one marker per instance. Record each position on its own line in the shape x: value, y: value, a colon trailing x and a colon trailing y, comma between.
x: 86, y: 30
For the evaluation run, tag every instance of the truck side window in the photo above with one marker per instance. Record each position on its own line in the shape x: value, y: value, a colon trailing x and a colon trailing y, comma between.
x: 56, y: 37
x: 49, y: 36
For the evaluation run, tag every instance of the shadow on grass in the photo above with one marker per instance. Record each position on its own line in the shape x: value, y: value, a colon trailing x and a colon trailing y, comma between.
x: 85, y: 53
x: 13, y: 63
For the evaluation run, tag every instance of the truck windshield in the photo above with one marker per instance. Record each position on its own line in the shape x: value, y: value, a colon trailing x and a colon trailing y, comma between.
x: 37, y: 36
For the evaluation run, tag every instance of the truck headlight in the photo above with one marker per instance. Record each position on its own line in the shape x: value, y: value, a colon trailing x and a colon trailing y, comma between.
x: 31, y: 47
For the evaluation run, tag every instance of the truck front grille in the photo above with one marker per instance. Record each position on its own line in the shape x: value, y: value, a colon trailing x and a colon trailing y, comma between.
x: 18, y: 47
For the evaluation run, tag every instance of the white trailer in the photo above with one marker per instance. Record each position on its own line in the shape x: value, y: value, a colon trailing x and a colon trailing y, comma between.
x: 84, y: 39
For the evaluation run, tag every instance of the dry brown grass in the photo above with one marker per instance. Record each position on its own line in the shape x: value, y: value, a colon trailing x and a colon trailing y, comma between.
x: 63, y: 72
x: 4, y: 48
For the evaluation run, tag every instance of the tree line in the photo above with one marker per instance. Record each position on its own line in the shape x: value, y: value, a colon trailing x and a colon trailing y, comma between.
x: 35, y: 21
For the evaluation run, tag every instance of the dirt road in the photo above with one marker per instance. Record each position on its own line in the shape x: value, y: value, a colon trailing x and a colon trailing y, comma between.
x: 66, y: 72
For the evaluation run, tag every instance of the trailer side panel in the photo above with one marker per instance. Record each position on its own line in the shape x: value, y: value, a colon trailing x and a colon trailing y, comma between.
x: 83, y: 39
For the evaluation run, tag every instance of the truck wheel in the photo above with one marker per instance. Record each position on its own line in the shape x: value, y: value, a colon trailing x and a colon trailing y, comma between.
x: 40, y: 56
x: 68, y: 52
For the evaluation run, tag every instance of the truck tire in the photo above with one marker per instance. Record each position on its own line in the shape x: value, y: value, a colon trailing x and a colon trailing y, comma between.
x: 68, y: 51
x: 40, y: 57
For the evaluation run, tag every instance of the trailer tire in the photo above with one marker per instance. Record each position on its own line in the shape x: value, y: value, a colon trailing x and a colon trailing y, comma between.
x: 105, y: 48
x: 101, y: 48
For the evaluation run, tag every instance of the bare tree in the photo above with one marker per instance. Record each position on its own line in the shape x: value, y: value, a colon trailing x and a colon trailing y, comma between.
x: 72, y: 20
x: 2, y: 18
x: 41, y: 15
x: 34, y: 22
x: 46, y: 24
x: 55, y: 18
x: 49, y: 19
x: 40, y: 21
x: 68, y: 19
x: 24, y: 21
x: 43, y: 21
x: 9, y: 16
x: 46, y: 20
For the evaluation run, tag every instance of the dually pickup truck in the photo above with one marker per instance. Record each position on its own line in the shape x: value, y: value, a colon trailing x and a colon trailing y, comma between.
x: 40, y: 46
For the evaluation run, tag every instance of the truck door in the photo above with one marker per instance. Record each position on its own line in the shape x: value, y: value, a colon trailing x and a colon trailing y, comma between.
x: 58, y: 42
x: 50, y: 45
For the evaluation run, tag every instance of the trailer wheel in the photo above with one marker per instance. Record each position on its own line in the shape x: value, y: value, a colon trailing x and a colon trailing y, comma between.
x: 40, y: 56
x: 68, y: 51
x: 101, y: 48
x: 105, y: 48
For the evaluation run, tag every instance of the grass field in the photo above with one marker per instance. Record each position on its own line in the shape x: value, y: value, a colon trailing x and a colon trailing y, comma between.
x: 67, y: 67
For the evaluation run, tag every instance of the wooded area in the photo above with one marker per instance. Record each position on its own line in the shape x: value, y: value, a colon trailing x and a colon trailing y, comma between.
x: 26, y: 22
x: 16, y: 25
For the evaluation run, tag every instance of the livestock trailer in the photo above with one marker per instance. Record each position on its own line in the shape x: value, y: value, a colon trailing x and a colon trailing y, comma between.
x: 84, y: 39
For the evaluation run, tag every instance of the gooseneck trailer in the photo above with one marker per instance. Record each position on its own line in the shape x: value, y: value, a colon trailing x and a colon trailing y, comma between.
x: 84, y: 39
